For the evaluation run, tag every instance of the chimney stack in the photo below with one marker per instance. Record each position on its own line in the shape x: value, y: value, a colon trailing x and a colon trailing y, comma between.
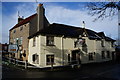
x: 83, y: 24
x: 20, y: 19
x: 40, y: 13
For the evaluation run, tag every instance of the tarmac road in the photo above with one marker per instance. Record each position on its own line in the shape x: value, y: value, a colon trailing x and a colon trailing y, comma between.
x: 87, y: 72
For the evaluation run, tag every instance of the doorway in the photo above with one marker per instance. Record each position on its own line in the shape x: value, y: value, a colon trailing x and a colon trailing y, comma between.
x: 76, y: 57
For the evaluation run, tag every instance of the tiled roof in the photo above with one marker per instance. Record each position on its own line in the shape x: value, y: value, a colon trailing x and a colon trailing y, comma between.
x: 70, y: 31
x: 23, y: 21
x: 101, y: 34
x: 67, y: 31
x: 60, y: 30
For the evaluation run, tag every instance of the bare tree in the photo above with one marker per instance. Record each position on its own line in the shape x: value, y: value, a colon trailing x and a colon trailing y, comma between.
x: 103, y: 9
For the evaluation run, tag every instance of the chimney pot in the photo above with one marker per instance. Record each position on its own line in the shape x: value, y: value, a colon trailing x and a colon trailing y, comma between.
x: 40, y: 5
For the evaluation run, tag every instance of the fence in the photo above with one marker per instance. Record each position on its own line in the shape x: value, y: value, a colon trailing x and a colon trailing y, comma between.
x: 17, y: 62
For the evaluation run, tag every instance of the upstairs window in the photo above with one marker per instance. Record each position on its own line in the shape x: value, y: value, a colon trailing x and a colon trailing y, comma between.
x: 102, y: 43
x: 103, y: 55
x: 34, y: 41
x: 50, y: 40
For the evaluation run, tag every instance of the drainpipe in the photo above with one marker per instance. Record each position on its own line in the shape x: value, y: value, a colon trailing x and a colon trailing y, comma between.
x: 95, y: 50
x: 62, y: 50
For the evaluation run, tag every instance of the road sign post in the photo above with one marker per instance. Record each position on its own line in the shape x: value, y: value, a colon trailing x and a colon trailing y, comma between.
x: 13, y: 48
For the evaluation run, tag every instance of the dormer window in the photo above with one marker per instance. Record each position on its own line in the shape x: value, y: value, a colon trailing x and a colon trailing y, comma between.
x: 50, y: 40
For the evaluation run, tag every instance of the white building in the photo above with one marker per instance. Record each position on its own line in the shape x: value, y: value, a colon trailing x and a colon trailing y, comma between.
x: 60, y: 45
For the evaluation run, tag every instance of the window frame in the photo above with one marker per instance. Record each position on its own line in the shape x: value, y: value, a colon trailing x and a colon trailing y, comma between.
x: 35, y: 58
x: 21, y: 28
x: 102, y: 43
x: 34, y: 41
x: 14, y: 31
x: 48, y: 41
x: 50, y: 61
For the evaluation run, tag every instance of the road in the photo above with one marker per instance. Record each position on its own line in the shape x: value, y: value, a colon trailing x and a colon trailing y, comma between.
x: 87, y: 72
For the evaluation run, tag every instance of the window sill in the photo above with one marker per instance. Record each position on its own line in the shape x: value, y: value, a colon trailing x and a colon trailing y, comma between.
x: 50, y: 64
x: 50, y: 45
x: 33, y: 46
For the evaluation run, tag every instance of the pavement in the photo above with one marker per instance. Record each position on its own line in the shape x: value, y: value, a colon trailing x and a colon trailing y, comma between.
x: 102, y: 71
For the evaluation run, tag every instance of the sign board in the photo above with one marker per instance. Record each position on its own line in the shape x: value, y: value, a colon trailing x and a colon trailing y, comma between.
x: 13, y: 48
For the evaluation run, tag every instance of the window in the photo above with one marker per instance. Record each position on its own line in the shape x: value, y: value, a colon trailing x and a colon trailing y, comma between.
x: 20, y: 54
x: 21, y: 39
x: 14, y: 31
x: 90, y: 56
x: 35, y: 59
x: 108, y: 54
x: 34, y: 41
x: 21, y: 28
x: 50, y: 40
x: 17, y: 41
x: 103, y: 55
x: 68, y: 58
x: 102, y: 43
x: 112, y: 44
x: 49, y: 59
x: 14, y: 41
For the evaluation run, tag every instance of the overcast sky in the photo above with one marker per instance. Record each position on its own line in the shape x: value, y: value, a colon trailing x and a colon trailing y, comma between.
x: 69, y: 13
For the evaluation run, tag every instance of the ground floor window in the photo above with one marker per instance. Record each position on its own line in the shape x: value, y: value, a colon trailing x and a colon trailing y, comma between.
x: 108, y: 54
x: 68, y: 58
x: 49, y: 59
x: 103, y: 54
x: 91, y: 56
x: 35, y: 58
